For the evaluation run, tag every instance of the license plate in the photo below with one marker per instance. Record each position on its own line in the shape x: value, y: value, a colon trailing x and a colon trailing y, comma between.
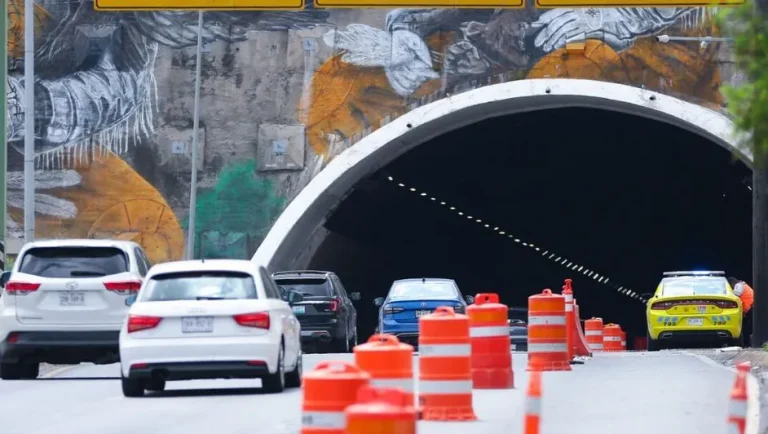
x: 299, y: 309
x: 695, y: 321
x: 701, y: 309
x: 197, y: 324
x: 420, y: 313
x: 72, y: 299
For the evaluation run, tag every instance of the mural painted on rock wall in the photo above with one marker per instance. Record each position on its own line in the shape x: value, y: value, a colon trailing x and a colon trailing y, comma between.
x: 95, y: 102
x: 419, y: 54
x: 98, y: 111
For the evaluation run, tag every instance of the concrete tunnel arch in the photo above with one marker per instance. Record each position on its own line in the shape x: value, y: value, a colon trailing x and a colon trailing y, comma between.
x: 297, y: 232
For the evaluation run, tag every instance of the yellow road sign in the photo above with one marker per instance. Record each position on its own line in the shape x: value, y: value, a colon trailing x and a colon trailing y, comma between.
x: 633, y: 3
x: 469, y: 4
x: 206, y: 5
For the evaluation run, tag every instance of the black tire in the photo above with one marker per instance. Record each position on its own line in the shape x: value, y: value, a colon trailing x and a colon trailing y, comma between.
x: 19, y: 371
x: 275, y: 383
x: 155, y: 385
x: 341, y: 345
x: 652, y: 344
x: 132, y: 388
x: 353, y: 342
x: 293, y: 378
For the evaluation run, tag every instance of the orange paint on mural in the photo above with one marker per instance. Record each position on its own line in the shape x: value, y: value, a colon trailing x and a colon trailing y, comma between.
x: 677, y: 69
x: 346, y: 99
x: 16, y: 26
x: 114, y: 201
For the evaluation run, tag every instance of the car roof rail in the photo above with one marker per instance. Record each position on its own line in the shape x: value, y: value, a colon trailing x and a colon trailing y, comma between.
x: 299, y: 272
x: 693, y: 273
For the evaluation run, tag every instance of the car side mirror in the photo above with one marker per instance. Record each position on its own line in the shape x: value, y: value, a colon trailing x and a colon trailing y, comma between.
x: 295, y: 297
x: 6, y: 276
x: 130, y: 300
x: 355, y: 296
x: 469, y: 299
x: 378, y: 301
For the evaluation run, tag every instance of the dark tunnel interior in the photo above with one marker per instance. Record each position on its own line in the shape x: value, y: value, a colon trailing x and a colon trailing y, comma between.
x: 621, y: 195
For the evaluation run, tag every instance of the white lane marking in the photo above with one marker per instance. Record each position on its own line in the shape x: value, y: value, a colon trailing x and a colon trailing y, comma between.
x: 753, y: 392
x: 57, y: 371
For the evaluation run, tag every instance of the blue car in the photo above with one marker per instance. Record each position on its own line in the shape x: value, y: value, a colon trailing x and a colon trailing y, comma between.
x: 409, y: 299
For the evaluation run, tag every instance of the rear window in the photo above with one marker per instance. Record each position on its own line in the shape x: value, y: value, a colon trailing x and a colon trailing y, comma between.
x: 218, y: 285
x: 307, y: 287
x: 418, y: 290
x: 65, y: 262
x: 518, y: 315
x: 694, y: 286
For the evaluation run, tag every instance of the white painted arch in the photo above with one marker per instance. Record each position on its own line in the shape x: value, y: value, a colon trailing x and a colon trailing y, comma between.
x: 291, y: 235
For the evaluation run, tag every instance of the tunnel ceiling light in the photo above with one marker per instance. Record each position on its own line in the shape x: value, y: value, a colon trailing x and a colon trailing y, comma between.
x: 570, y: 265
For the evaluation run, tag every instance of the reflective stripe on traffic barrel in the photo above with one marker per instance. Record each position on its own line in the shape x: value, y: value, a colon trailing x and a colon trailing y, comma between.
x: 388, y: 361
x: 593, y: 331
x: 611, y: 337
x: 381, y: 411
x: 328, y: 391
x: 491, y: 349
x: 532, y: 417
x: 547, y: 341
x: 570, y: 320
x: 445, y: 366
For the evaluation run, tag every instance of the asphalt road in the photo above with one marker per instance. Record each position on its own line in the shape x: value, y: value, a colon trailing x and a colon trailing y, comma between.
x: 635, y: 393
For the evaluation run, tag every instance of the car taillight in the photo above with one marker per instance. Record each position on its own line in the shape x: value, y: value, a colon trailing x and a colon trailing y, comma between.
x: 21, y: 288
x: 138, y: 322
x: 128, y: 287
x: 255, y: 319
x: 662, y: 305
x: 335, y: 304
x: 392, y: 309
x: 726, y: 304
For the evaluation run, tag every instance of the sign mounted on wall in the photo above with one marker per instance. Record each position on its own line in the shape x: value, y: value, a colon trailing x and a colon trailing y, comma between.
x: 206, y: 5
x: 448, y: 4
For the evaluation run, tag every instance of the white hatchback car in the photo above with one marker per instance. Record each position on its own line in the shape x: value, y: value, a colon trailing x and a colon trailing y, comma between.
x: 64, y: 303
x: 207, y: 319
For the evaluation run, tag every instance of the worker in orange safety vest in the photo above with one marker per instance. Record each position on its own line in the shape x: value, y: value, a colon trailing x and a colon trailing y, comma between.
x: 747, y: 295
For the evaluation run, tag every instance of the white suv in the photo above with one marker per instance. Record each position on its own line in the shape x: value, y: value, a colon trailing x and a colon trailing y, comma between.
x: 64, y: 302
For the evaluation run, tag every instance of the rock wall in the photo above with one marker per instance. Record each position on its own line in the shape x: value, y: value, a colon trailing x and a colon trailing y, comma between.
x: 282, y: 94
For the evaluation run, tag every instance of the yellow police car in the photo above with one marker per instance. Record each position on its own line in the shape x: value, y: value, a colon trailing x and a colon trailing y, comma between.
x: 693, y: 306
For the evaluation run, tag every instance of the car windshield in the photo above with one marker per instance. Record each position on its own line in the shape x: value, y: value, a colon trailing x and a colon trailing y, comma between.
x: 208, y: 285
x: 307, y: 287
x: 695, y: 286
x: 67, y: 262
x: 418, y: 290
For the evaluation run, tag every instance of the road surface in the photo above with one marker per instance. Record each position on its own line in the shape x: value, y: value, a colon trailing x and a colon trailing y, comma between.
x: 635, y: 393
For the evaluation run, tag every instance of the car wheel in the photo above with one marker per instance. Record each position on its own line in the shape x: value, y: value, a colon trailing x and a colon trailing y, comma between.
x: 155, y: 385
x: 19, y: 371
x: 293, y: 378
x: 341, y: 345
x: 132, y: 387
x: 31, y: 371
x: 353, y: 342
x: 275, y: 383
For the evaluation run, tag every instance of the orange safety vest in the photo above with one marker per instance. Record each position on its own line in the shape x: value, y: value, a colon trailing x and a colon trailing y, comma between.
x: 747, y: 296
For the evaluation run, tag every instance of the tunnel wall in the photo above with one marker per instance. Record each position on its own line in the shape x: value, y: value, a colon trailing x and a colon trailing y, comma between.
x: 309, y: 210
x: 283, y: 93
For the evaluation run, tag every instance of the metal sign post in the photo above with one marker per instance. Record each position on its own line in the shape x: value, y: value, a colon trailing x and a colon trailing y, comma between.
x: 3, y: 131
x: 195, y: 130
x: 29, y: 120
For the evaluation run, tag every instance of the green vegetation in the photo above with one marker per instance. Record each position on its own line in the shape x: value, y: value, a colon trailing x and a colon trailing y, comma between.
x: 235, y: 215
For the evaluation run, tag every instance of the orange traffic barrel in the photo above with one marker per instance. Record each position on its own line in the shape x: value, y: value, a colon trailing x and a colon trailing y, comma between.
x: 381, y: 411
x: 491, y: 348
x: 547, y: 341
x: 388, y: 361
x: 737, y: 407
x: 328, y: 391
x: 611, y: 337
x: 445, y: 366
x: 593, y: 330
x: 533, y: 404
x: 570, y: 320
x: 623, y: 341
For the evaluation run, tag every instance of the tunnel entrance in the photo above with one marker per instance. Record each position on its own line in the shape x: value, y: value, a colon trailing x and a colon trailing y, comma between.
x: 518, y: 203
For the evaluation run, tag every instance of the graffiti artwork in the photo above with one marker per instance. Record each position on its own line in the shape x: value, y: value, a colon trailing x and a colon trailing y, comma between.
x: 107, y: 83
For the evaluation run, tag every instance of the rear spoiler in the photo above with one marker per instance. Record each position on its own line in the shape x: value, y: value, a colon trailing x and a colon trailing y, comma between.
x: 693, y: 273
x: 299, y: 272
